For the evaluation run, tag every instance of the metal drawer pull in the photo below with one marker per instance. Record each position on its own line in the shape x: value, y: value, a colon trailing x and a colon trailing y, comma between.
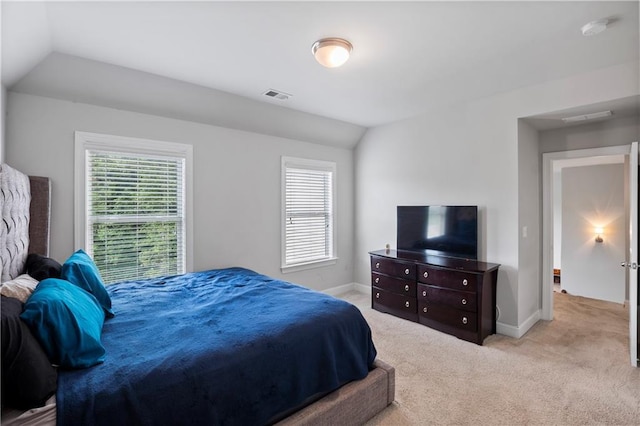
x: 377, y: 295
x: 464, y: 320
x: 464, y: 301
x: 377, y: 265
x: 465, y: 282
x: 424, y: 293
x: 406, y: 287
x: 406, y: 304
x: 406, y: 271
x: 424, y: 310
x: 377, y: 280
x: 426, y: 274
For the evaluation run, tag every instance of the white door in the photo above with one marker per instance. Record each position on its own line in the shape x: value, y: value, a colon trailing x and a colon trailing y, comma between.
x: 632, y: 263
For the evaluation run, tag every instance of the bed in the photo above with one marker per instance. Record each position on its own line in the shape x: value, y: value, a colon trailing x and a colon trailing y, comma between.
x: 244, y: 349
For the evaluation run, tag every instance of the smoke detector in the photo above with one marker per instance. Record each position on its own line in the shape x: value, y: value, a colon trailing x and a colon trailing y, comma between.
x: 276, y: 94
x: 594, y: 27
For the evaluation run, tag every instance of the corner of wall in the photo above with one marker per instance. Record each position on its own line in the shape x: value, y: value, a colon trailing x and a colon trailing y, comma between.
x: 518, y: 331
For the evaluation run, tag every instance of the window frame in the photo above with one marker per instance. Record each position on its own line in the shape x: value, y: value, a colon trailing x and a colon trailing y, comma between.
x: 302, y: 163
x: 85, y: 141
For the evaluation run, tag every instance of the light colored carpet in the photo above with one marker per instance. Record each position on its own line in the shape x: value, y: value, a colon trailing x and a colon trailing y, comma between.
x: 573, y: 370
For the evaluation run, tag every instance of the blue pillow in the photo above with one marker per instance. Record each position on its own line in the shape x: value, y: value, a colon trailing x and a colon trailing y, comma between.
x: 80, y: 270
x: 67, y: 321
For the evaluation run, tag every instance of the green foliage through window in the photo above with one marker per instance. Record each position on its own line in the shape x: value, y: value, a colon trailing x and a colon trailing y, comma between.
x: 135, y: 219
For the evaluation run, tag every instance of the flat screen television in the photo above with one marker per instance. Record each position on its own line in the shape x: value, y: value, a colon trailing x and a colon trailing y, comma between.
x: 439, y: 230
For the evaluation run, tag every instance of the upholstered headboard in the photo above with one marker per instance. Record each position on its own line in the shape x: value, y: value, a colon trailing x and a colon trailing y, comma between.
x: 25, y: 204
x: 40, y: 215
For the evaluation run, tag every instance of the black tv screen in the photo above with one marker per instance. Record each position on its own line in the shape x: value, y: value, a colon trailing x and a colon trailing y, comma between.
x: 440, y: 230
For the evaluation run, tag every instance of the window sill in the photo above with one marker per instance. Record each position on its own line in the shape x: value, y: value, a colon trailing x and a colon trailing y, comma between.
x: 309, y: 265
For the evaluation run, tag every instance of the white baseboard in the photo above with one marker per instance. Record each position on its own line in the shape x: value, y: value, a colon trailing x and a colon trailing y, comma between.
x: 519, y: 331
x: 334, y: 291
x: 360, y: 288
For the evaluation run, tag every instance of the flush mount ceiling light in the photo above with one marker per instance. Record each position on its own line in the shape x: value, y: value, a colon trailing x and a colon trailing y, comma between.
x: 331, y: 52
x: 594, y: 27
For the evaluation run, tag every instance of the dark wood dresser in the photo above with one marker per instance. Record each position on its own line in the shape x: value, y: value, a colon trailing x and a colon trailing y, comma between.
x: 455, y: 296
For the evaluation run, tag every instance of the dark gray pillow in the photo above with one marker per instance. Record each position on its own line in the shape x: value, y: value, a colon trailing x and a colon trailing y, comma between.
x: 41, y: 267
x: 28, y: 378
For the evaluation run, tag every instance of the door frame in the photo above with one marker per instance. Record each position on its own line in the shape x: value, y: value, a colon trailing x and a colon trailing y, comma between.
x: 547, y: 213
x: 632, y: 252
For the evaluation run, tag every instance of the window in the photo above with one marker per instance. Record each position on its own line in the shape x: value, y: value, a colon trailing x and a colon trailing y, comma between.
x: 132, y: 199
x: 308, y: 213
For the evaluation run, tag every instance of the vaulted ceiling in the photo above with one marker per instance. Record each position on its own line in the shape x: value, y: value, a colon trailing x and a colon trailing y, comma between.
x: 408, y: 57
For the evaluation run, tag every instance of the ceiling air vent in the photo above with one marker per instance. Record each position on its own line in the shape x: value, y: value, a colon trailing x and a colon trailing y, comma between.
x: 276, y: 94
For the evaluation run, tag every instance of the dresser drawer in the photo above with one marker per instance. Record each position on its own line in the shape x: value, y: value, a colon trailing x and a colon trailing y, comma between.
x: 447, y: 278
x: 463, y: 300
x: 394, y: 285
x: 396, y: 304
x: 450, y: 316
x: 393, y: 267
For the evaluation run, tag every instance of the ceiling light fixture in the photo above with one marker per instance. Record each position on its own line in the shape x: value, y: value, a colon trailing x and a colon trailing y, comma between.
x: 594, y: 27
x: 331, y: 52
x: 586, y: 117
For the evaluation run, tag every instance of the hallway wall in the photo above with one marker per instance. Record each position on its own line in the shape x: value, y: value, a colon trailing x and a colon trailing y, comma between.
x: 593, y: 196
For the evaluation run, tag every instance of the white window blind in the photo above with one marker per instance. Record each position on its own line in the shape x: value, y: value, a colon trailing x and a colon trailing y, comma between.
x: 135, y: 214
x: 308, y: 211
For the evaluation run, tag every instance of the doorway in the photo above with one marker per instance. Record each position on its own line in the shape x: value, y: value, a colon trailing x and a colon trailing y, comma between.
x: 551, y: 163
x: 590, y: 227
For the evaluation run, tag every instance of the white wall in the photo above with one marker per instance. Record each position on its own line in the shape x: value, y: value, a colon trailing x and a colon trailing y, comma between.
x: 236, y: 181
x: 456, y: 156
x: 557, y: 220
x: 529, y: 225
x: 593, y: 196
x: 468, y: 154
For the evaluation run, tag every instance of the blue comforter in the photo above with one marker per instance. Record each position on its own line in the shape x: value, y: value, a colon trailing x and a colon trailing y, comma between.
x: 228, y: 347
